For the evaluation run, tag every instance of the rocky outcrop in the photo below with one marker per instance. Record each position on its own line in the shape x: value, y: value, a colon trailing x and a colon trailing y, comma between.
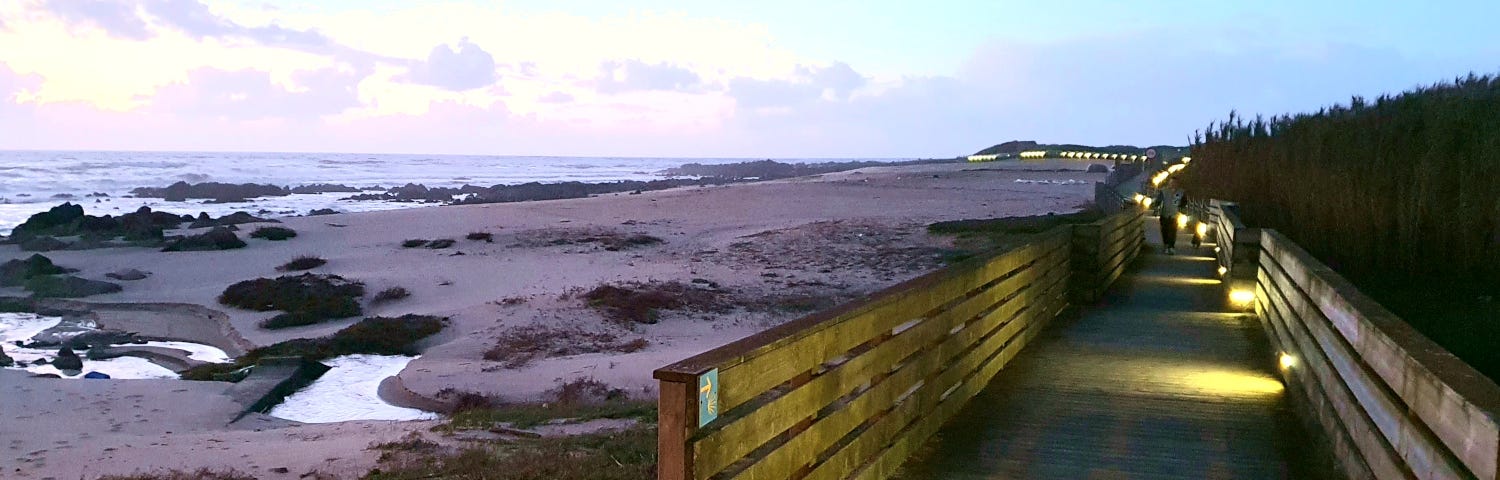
x: 43, y: 244
x: 1098, y: 168
x: 16, y: 272
x: 69, y: 286
x: 213, y: 191
x: 69, y: 220
x: 5, y: 360
x: 128, y: 275
x: 236, y: 218
x: 67, y: 360
x: 324, y: 188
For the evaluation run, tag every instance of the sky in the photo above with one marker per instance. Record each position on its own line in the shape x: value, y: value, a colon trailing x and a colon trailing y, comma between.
x: 769, y: 78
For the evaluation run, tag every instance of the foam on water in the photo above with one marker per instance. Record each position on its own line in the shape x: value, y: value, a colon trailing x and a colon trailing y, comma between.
x: 30, y: 181
x: 21, y: 327
x: 349, y: 391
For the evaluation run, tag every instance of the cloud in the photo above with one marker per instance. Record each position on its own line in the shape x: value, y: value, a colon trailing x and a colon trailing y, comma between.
x: 252, y: 95
x: 114, y: 17
x: 808, y: 83
x: 463, y: 67
x: 557, y: 97
x: 635, y: 75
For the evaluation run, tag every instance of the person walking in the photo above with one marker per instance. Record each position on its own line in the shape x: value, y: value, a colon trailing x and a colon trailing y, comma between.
x: 1170, y: 201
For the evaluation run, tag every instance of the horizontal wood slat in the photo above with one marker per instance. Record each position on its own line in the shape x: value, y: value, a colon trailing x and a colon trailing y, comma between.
x: 1439, y: 414
x: 853, y: 390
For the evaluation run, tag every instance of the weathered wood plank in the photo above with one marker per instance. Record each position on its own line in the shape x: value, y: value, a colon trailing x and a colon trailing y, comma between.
x: 881, y: 396
x: 1460, y: 406
x: 915, y: 434
x: 676, y: 407
x: 763, y: 369
x: 1310, y: 394
x: 1379, y: 455
x: 978, y: 358
x: 1422, y: 452
x: 733, y: 441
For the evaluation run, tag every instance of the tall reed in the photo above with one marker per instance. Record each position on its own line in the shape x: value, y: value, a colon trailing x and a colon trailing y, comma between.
x: 1399, y: 189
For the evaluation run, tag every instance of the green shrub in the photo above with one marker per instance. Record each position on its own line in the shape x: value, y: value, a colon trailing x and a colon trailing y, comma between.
x: 305, y: 297
x: 305, y: 262
x: 219, y: 238
x: 391, y: 294
x: 273, y: 233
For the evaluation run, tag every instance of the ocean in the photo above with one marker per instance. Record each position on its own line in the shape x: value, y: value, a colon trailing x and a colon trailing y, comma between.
x: 34, y: 181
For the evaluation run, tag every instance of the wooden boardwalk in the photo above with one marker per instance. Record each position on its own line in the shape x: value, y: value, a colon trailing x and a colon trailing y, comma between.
x: 1160, y: 380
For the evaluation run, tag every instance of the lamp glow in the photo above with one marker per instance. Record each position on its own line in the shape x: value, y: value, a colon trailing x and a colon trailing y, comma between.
x: 1241, y: 298
x: 1146, y: 202
x: 1216, y: 249
x: 1182, y: 220
x: 1223, y: 271
x: 1287, y: 361
x: 1202, y: 229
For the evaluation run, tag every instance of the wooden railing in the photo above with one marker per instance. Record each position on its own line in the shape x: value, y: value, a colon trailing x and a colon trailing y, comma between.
x: 1102, y: 250
x: 852, y: 392
x: 1389, y: 402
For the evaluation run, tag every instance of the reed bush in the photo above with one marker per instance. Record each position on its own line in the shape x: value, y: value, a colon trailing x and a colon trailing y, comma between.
x: 1400, y: 194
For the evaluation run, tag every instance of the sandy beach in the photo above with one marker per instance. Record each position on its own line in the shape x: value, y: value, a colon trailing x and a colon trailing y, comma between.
x: 830, y: 238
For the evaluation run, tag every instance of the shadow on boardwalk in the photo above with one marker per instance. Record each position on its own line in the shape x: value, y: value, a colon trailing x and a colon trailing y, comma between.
x: 1159, y: 380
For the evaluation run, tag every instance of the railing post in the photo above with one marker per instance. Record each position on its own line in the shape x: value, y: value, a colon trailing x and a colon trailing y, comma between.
x: 1244, y: 265
x: 677, y: 420
x: 1083, y: 279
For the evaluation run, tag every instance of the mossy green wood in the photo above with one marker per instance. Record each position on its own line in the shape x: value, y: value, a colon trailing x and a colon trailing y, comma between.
x: 883, y: 394
x: 720, y: 448
x: 915, y: 418
x: 769, y: 367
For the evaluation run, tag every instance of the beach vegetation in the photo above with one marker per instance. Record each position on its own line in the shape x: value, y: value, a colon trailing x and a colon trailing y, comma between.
x: 306, y: 298
x: 441, y: 243
x: 273, y: 233
x: 481, y: 236
x: 391, y: 294
x: 518, y: 347
x: 304, y: 262
x: 219, y: 238
x: 200, y: 474
x: 612, y: 455
x: 413, y: 243
x: 632, y: 303
x: 1397, y: 193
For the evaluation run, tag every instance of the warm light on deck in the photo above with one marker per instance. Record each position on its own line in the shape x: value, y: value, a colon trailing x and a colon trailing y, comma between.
x: 1223, y: 271
x: 1287, y: 361
x: 1241, y: 297
x: 1202, y: 229
x: 1234, y: 383
x: 1146, y: 202
x: 1182, y: 220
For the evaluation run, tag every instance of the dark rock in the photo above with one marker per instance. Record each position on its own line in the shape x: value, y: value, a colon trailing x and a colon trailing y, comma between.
x: 323, y: 211
x: 217, y: 192
x: 1098, y: 168
x: 51, y: 220
x: 17, y: 272
x: 67, y: 360
x: 219, y: 238
x: 129, y: 274
x: 5, y: 360
x: 64, y: 196
x: 96, y: 375
x: 101, y: 338
x: 69, y: 286
x: 236, y: 218
x: 46, y: 375
x: 98, y: 195
x: 43, y: 244
x: 324, y: 188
